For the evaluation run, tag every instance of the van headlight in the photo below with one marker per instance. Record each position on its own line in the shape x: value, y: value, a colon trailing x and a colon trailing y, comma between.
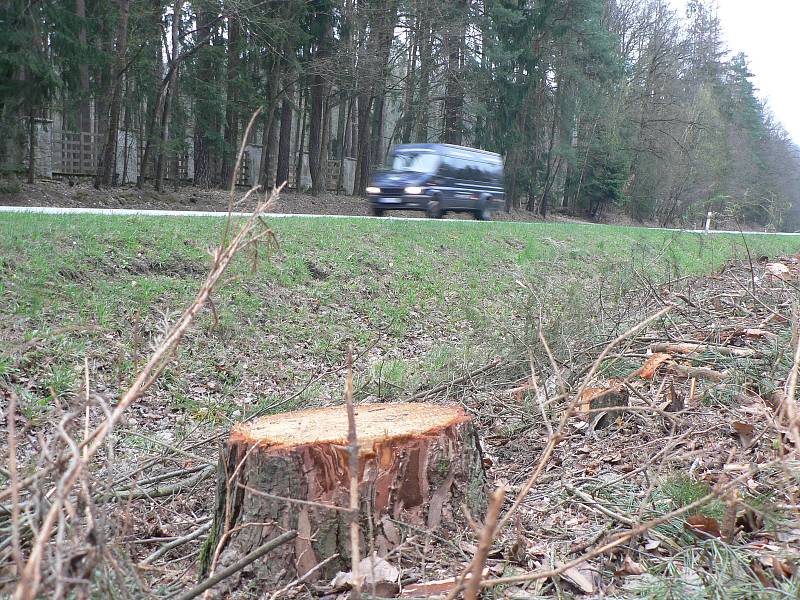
x: 414, y: 190
x: 373, y: 190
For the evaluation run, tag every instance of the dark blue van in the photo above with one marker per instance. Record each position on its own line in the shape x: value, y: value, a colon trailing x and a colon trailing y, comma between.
x: 439, y: 178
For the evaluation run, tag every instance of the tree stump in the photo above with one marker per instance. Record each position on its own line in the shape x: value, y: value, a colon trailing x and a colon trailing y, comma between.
x: 418, y: 463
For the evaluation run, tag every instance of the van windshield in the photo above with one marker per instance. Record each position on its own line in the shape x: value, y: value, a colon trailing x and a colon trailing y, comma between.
x: 420, y: 162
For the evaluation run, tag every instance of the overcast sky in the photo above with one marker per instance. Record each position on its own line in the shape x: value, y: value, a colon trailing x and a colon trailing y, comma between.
x: 767, y: 31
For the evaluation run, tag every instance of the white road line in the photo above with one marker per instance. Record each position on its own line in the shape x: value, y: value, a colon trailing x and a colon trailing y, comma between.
x: 133, y: 212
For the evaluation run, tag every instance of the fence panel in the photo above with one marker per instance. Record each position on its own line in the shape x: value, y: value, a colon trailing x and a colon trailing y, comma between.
x: 75, y: 152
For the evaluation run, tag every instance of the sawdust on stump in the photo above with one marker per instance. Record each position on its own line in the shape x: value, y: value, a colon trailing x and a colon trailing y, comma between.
x: 418, y: 464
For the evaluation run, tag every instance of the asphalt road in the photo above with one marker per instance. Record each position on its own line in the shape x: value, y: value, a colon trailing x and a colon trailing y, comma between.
x: 52, y: 210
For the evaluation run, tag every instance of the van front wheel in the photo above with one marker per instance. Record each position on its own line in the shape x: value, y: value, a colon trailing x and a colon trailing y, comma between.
x: 434, y: 210
x: 377, y: 212
x: 484, y: 213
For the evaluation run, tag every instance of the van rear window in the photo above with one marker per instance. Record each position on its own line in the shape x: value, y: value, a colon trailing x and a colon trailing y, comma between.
x: 472, y: 170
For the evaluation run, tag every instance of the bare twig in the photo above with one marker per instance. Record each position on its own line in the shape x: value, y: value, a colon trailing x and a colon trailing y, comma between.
x: 14, y: 480
x: 791, y: 391
x: 305, y: 576
x: 439, y: 388
x: 177, y: 542
x: 166, y: 490
x: 485, y: 544
x: 239, y: 565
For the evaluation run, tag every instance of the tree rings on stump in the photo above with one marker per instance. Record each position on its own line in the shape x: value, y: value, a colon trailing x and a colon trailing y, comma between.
x: 418, y: 464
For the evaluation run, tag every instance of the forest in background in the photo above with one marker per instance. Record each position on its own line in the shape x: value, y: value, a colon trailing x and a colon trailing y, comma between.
x: 592, y: 103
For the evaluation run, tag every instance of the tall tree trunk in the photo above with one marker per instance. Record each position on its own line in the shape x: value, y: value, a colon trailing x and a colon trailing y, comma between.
x: 408, y: 99
x: 372, y: 90
x: 104, y: 46
x: 206, y: 122
x: 231, y: 104
x: 341, y: 116
x: 319, y: 92
x: 83, y: 70
x: 385, y: 33
x: 108, y: 164
x: 285, y: 136
x: 425, y: 69
x: 155, y: 103
x: 155, y: 110
x: 126, y: 125
x: 301, y: 140
x: 31, y: 145
x: 363, y: 143
x: 453, y: 129
x: 376, y: 130
x: 171, y: 92
x: 269, y: 141
x: 345, y: 108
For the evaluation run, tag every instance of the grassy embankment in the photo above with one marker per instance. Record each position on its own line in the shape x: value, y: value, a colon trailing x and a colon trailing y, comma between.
x: 427, y: 297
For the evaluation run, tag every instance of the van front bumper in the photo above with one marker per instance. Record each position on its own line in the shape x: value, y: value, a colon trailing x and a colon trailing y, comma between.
x: 405, y: 202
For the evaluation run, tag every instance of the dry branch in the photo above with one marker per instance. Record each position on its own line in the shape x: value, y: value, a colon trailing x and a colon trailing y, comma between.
x: 239, y: 565
x: 689, y: 348
x: 485, y: 544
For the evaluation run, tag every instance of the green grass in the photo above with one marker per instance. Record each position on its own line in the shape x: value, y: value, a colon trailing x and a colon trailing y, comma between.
x: 445, y: 293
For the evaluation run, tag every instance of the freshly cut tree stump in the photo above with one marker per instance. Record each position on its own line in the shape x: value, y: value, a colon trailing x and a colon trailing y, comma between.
x: 418, y: 463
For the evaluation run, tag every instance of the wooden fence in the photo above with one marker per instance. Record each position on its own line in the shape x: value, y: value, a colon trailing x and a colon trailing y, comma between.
x: 75, y: 152
x: 78, y: 153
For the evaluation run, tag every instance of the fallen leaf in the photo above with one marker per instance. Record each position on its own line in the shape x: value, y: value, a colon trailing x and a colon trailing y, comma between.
x: 652, y: 544
x: 759, y: 572
x: 777, y: 270
x: 579, y: 580
x: 518, y: 393
x: 439, y: 587
x: 373, y: 570
x: 629, y: 567
x: 651, y: 365
x: 758, y: 333
x: 744, y: 431
x: 703, y: 527
x: 782, y: 569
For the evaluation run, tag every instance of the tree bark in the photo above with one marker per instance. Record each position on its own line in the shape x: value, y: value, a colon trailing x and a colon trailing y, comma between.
x: 207, y: 115
x: 83, y: 70
x: 408, y: 100
x: 231, y: 105
x: 31, y: 145
x: 454, y: 88
x: 268, y: 142
x: 170, y: 93
x: 108, y: 163
x: 363, y: 143
x: 285, y: 137
x: 425, y: 67
x: 301, y: 141
x: 317, y: 118
x: 417, y: 463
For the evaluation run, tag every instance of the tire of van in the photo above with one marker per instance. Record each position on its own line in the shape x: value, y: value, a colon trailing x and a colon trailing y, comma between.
x: 433, y: 210
x: 484, y: 213
x: 377, y: 212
